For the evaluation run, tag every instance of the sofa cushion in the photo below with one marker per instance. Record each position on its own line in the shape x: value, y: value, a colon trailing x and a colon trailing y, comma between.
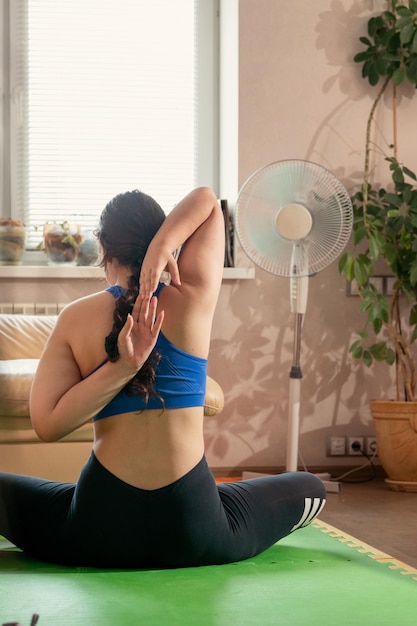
x: 214, y: 398
x: 16, y: 378
x: 24, y: 336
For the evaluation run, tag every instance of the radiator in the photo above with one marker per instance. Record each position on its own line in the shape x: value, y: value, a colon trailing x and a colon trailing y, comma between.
x: 31, y: 308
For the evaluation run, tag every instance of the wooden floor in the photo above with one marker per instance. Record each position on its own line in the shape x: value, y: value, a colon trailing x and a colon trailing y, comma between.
x: 378, y: 516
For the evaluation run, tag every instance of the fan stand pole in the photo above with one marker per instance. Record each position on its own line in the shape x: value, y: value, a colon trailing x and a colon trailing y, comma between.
x: 294, y: 399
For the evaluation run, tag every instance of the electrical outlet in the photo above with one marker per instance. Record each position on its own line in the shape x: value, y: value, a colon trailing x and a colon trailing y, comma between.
x: 337, y: 446
x: 371, y: 446
x: 355, y: 445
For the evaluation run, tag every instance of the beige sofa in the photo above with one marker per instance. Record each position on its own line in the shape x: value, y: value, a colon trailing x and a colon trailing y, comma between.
x: 22, y: 338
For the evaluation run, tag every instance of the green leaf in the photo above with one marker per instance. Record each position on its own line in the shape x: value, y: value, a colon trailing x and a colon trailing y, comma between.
x: 378, y: 350
x: 393, y: 198
x: 413, y: 5
x: 390, y: 253
x: 346, y: 266
x: 403, y: 11
x: 342, y: 262
x: 377, y: 325
x: 360, y: 271
x: 367, y: 358
x: 372, y: 26
x: 356, y: 350
x: 390, y: 357
x: 413, y: 315
x: 399, y: 75
x: 365, y: 69
x: 413, y: 275
x: 407, y: 30
x: 373, y: 76
x: 409, y: 173
x: 361, y: 57
x: 374, y: 246
x: 359, y: 234
x: 397, y: 175
x: 412, y: 65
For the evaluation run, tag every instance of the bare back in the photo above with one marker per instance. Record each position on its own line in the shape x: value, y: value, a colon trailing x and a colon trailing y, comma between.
x: 154, y: 448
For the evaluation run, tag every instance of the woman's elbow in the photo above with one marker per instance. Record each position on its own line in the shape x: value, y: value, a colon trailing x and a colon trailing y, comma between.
x: 44, y: 431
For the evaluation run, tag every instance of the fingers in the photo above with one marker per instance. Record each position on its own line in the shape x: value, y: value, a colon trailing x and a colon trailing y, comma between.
x: 148, y: 283
x: 158, y: 323
x: 145, y: 312
x: 140, y: 309
x: 137, y: 307
x: 126, y: 328
x: 151, y: 273
x: 149, y: 314
x: 172, y: 267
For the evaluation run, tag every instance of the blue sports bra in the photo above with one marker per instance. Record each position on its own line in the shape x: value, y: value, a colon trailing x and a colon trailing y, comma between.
x: 180, y: 378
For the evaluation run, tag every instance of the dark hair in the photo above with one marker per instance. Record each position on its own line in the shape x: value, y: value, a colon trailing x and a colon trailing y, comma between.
x: 127, y: 225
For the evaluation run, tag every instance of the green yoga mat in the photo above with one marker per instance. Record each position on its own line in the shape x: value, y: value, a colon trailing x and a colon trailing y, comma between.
x: 316, y: 576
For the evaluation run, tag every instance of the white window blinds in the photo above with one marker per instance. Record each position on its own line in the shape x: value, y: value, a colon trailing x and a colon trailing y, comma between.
x: 107, y: 97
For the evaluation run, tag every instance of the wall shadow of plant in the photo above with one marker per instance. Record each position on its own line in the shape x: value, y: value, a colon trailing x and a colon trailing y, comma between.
x: 253, y: 367
x: 248, y: 365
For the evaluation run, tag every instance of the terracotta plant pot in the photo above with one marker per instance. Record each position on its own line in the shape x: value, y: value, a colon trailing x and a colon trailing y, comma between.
x: 396, y: 433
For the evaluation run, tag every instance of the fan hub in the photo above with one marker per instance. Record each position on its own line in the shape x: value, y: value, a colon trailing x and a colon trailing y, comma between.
x: 293, y: 221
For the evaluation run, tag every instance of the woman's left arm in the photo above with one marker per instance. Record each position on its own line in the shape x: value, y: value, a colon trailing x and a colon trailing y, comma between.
x: 61, y: 400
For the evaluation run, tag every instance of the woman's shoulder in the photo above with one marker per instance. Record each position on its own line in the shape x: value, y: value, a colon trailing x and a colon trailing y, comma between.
x: 87, y: 311
x: 86, y: 302
x: 83, y: 324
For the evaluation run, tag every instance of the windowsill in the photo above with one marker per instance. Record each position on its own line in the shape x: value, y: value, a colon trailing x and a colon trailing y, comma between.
x: 238, y: 273
x: 76, y: 271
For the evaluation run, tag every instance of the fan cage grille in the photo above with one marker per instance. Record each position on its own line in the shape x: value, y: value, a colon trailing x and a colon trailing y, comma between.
x: 282, y: 183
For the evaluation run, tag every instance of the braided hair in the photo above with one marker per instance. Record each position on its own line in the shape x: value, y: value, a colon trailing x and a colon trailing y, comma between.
x: 127, y: 225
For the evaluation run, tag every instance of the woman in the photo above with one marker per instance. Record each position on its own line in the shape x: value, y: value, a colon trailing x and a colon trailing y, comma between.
x: 146, y: 497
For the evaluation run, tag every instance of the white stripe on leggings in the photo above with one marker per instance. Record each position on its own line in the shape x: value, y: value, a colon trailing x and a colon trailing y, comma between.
x: 312, y: 508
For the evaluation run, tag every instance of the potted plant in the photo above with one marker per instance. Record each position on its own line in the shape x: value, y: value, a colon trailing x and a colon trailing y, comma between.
x: 385, y: 231
x: 62, y: 242
x: 12, y: 241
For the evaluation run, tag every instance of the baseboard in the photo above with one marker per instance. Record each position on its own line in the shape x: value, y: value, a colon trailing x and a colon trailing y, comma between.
x: 335, y: 471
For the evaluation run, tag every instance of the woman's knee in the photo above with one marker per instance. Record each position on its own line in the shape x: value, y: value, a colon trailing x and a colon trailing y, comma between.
x: 311, y: 483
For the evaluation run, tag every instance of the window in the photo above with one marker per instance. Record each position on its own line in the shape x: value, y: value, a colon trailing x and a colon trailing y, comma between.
x: 106, y: 96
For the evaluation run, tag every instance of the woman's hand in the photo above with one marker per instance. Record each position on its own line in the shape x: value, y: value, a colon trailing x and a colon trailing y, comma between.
x: 156, y: 261
x: 139, y: 334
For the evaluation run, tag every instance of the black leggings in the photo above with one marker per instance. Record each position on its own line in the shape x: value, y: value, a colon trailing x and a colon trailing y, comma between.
x: 104, y: 522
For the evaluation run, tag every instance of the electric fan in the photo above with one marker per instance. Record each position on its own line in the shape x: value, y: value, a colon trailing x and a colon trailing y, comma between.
x: 293, y: 218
